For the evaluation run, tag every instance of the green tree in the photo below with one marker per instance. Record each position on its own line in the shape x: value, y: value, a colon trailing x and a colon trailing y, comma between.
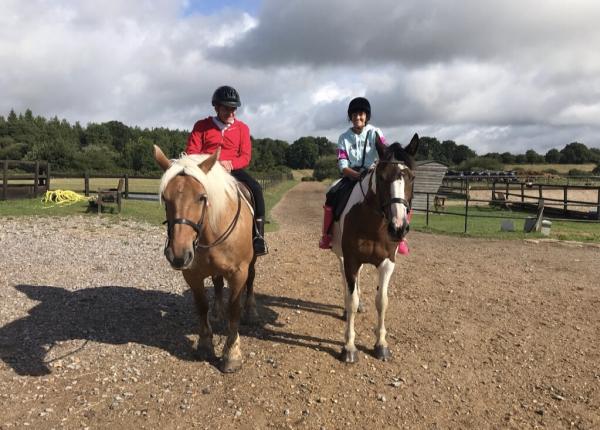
x: 302, y: 154
x: 533, y: 157
x: 507, y: 158
x: 552, y: 156
x: 462, y: 153
x: 97, y: 134
x: 576, y: 153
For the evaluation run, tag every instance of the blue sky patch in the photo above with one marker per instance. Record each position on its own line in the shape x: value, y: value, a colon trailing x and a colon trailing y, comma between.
x: 209, y: 7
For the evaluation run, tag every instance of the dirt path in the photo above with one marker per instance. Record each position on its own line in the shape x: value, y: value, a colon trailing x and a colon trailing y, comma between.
x: 485, y: 334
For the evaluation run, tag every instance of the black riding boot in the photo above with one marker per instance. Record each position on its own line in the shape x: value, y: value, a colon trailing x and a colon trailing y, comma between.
x: 258, y: 242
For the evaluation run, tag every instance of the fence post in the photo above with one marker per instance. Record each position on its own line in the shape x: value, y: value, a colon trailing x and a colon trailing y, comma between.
x: 540, y: 192
x: 565, y: 199
x: 47, y: 176
x: 86, y: 184
x: 507, y: 190
x: 36, y: 178
x: 522, y: 192
x: 427, y: 211
x: 598, y: 205
x: 5, y: 180
x: 493, y: 189
x: 466, y: 212
x: 126, y: 186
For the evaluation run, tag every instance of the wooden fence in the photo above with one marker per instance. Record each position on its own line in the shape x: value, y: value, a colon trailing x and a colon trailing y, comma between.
x: 589, y: 217
x: 24, y: 179
x: 526, y: 194
x: 265, y: 180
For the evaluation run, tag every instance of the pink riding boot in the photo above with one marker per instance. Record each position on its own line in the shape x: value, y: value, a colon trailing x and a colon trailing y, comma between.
x: 325, y: 242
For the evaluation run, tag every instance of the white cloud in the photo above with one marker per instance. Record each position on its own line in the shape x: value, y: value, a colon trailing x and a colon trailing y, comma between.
x: 497, y: 76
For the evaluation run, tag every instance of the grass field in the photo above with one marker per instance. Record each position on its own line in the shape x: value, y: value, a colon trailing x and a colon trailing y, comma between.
x: 148, y: 211
x: 485, y: 221
x: 77, y: 184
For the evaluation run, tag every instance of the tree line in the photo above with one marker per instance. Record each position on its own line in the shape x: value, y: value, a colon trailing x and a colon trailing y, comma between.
x: 113, y: 147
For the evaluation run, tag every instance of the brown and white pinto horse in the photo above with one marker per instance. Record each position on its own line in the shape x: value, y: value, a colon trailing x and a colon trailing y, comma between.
x: 209, y: 234
x: 374, y: 221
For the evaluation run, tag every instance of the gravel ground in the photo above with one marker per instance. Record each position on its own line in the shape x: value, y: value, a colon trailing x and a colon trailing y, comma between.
x: 96, y: 331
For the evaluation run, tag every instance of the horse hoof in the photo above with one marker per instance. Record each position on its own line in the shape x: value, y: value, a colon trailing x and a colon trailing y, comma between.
x: 230, y: 366
x: 349, y: 356
x: 251, y: 318
x: 382, y: 353
x: 361, y: 308
x: 205, y: 353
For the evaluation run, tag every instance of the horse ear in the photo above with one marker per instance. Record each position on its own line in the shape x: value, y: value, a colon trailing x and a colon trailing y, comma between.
x: 413, y: 145
x: 208, y: 164
x: 161, y: 159
x: 380, y: 146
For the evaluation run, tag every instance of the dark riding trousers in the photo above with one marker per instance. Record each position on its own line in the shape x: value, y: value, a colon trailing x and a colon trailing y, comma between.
x: 242, y: 176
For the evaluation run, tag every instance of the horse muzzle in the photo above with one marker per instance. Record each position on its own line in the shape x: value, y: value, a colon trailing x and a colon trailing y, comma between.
x: 398, y: 233
x: 181, y: 261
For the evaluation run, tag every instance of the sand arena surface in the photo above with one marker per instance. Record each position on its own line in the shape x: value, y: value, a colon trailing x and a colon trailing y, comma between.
x: 97, y: 331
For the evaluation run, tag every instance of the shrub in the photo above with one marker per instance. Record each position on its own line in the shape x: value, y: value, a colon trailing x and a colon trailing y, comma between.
x: 578, y: 172
x: 326, y: 167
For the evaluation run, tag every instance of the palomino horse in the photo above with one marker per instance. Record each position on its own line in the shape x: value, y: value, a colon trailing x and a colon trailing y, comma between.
x: 375, y: 218
x: 209, y: 234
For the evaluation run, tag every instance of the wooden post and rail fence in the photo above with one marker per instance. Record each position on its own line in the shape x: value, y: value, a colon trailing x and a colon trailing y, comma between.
x: 22, y: 179
x: 26, y: 179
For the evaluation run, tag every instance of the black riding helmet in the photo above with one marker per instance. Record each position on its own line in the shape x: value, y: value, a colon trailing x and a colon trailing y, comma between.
x: 359, y: 104
x: 226, y: 96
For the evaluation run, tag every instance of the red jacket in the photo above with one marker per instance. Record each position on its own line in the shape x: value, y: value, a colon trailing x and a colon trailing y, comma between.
x: 235, y: 144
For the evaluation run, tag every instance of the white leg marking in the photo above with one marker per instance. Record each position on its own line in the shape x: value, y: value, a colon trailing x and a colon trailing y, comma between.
x: 351, y: 307
x: 386, y: 268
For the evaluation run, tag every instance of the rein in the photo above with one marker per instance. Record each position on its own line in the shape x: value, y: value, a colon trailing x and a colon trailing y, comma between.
x: 198, y: 226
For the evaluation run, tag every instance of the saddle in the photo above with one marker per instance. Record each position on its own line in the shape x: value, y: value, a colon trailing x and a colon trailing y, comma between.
x: 247, y: 193
x: 339, y: 194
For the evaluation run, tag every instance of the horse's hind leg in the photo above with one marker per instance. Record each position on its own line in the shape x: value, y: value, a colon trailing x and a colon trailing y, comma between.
x: 231, y: 360
x: 206, y: 350
x: 386, y: 268
x: 350, y: 353
x: 250, y: 314
x: 218, y: 304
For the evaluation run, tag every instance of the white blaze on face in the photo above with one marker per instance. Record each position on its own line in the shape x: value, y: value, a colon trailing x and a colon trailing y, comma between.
x: 399, y: 211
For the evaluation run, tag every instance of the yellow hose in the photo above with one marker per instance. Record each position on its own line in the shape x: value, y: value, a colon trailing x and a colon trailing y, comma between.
x: 62, y: 198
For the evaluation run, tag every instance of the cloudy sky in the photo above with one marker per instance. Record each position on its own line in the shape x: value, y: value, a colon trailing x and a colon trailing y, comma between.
x: 506, y: 75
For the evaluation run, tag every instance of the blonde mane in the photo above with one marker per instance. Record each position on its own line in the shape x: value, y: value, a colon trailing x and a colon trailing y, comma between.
x: 219, y: 185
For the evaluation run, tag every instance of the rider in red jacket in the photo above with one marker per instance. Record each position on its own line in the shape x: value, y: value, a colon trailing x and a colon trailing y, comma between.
x: 233, y: 136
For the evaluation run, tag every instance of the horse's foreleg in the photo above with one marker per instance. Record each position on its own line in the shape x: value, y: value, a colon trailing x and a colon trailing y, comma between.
x: 361, y: 307
x: 218, y: 304
x: 250, y: 313
x: 350, y: 353
x: 206, y: 350
x: 232, y: 353
x: 386, y: 268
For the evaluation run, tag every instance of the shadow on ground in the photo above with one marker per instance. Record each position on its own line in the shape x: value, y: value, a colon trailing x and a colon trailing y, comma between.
x: 119, y: 315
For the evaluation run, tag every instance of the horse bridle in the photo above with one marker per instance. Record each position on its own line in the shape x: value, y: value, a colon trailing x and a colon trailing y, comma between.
x: 391, y: 201
x: 198, y: 226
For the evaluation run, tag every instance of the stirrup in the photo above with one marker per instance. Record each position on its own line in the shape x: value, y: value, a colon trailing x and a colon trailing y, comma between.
x: 260, y: 246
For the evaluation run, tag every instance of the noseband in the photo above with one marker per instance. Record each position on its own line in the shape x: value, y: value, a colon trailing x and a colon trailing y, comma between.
x: 198, y: 226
